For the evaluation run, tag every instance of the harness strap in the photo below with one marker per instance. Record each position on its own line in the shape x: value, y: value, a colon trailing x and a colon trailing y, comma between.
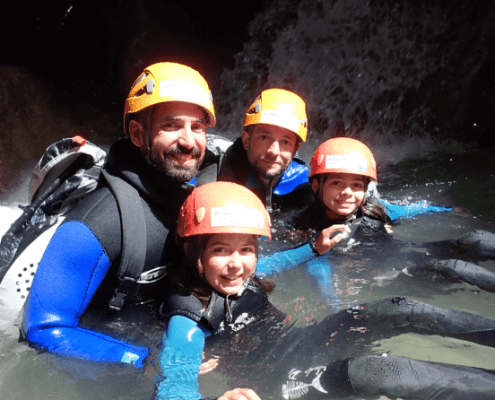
x: 133, y: 253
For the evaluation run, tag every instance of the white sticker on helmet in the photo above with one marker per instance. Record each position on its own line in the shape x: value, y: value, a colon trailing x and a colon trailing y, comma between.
x: 350, y: 161
x: 185, y: 91
x: 237, y: 215
x: 281, y: 118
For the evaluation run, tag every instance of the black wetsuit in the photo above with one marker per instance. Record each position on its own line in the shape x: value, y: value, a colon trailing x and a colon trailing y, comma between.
x: 260, y: 349
x: 291, y: 191
x: 67, y: 310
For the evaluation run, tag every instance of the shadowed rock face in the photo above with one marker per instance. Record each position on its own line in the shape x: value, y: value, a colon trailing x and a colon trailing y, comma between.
x: 34, y: 114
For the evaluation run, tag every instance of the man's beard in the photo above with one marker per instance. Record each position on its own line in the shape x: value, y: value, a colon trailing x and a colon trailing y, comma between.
x: 272, y: 176
x: 172, y: 168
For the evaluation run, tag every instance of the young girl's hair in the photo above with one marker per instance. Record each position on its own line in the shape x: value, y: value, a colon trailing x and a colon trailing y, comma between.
x: 372, y: 208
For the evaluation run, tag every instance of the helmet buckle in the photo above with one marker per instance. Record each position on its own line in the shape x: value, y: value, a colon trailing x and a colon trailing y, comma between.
x: 150, y: 86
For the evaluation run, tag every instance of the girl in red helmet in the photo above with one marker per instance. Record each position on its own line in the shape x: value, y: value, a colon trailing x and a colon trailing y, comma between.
x: 218, y: 225
x: 341, y: 171
x: 216, y: 297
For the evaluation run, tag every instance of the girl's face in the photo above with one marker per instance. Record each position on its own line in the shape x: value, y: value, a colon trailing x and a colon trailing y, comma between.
x: 342, y: 194
x: 228, y: 261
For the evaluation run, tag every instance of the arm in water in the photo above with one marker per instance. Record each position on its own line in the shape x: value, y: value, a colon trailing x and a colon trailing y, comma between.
x: 287, y: 259
x: 180, y: 361
x: 319, y: 267
x: 401, y: 211
x: 398, y: 211
x: 76, y: 258
x: 283, y: 260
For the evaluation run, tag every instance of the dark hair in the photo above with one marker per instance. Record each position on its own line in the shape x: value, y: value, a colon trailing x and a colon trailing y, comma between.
x: 374, y: 209
x: 187, y: 277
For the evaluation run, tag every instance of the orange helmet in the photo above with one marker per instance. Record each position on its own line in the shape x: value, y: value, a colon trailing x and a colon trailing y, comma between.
x: 281, y: 108
x: 164, y: 82
x: 343, y: 155
x: 223, y: 207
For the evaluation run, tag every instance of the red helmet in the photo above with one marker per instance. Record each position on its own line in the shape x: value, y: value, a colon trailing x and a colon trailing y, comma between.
x: 223, y: 207
x: 343, y: 155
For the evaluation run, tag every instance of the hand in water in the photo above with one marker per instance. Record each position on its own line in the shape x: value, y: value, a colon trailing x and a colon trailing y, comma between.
x: 208, y: 366
x: 325, y: 241
x: 463, y: 212
x: 240, y: 394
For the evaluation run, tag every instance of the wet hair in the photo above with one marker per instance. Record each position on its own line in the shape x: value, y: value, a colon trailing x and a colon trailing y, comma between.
x: 187, y: 276
x: 142, y: 116
x: 373, y: 209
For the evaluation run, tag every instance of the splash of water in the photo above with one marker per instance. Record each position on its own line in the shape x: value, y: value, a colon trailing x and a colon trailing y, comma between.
x: 382, y: 71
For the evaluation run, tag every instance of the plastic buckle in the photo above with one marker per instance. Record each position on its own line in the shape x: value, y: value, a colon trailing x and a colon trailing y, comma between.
x: 117, y: 301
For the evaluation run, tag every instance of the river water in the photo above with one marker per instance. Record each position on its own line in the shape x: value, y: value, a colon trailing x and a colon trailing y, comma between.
x: 459, y: 180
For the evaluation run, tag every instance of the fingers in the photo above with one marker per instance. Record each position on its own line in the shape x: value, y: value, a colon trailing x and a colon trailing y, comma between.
x: 463, y: 212
x: 325, y: 241
x: 208, y: 366
x: 240, y: 394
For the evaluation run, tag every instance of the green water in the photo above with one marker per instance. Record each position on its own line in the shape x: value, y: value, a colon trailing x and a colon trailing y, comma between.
x: 466, y: 181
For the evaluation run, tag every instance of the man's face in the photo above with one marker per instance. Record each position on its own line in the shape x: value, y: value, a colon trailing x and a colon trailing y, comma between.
x: 270, y: 150
x: 178, y: 139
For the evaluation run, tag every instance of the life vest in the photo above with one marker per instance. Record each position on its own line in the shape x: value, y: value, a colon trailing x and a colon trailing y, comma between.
x: 223, y: 313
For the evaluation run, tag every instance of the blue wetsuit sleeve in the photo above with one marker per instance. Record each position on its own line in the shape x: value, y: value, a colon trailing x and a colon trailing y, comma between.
x: 321, y: 269
x: 283, y: 260
x: 72, y: 268
x: 398, y: 211
x: 180, y: 359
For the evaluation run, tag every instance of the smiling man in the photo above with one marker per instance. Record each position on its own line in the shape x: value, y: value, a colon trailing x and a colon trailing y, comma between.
x: 263, y: 158
x: 79, y: 301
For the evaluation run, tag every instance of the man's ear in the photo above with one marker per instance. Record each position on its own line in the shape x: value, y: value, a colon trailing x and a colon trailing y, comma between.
x: 137, y: 134
x: 315, y: 185
x: 298, y: 144
x: 245, y: 139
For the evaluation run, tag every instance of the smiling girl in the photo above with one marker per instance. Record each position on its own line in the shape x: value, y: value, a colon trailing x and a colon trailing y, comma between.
x: 216, y: 290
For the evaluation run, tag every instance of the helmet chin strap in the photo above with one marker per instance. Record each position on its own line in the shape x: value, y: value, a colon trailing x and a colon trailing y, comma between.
x: 147, y: 138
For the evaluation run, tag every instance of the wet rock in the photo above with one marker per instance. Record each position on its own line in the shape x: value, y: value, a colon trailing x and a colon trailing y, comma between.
x: 33, y: 114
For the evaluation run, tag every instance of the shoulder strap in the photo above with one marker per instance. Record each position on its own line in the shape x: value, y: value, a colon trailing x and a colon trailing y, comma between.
x: 133, y: 254
x: 207, y: 174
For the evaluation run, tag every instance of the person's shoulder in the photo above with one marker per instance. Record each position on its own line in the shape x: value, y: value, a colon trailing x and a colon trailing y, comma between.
x: 96, y: 204
x: 217, y: 144
x: 178, y: 302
